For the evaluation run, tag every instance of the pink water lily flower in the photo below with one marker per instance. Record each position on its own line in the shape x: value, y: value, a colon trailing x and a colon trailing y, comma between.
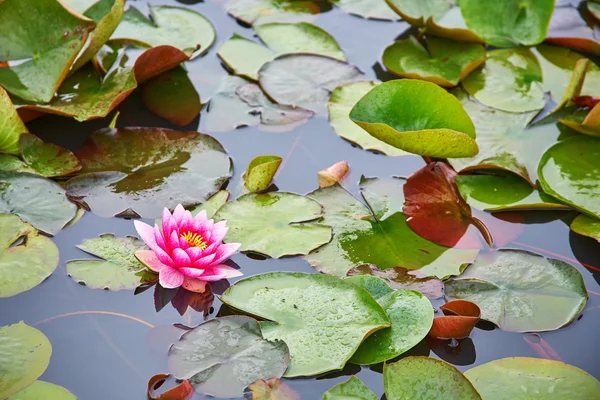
x: 187, y: 250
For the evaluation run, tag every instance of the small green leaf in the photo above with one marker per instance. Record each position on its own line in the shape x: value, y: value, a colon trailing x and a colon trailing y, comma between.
x: 43, y: 390
x: 260, y: 172
x: 254, y: 12
x: 418, y: 12
x: 521, y: 291
x: 244, y: 56
x: 586, y: 226
x: 518, y: 378
x: 212, y: 205
x: 223, y: 356
x: 323, y: 319
x: 352, y: 389
x: 274, y: 224
x: 418, y: 117
x: 118, y: 268
x: 425, y: 378
x: 47, y: 159
x: 9, y: 162
x: 25, y: 356
x: 12, y: 126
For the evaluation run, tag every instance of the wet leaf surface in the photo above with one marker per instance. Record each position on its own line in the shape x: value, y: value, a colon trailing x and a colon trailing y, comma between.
x: 586, y: 226
x: 260, y: 172
x: 271, y: 389
x: 459, y: 319
x: 47, y: 159
x: 25, y: 356
x: 321, y: 318
x: 275, y: 224
x: 138, y: 171
x: 352, y: 389
x: 521, y: 291
x: 12, y: 126
x: 224, y: 355
x: 43, y: 390
x: 516, y: 378
x: 118, y: 268
x: 401, y: 278
x: 418, y: 117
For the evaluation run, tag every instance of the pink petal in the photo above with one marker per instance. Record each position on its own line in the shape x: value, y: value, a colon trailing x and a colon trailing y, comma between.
x: 164, y: 257
x: 212, y: 248
x: 220, y: 272
x: 160, y: 240
x: 146, y: 233
x: 194, y: 273
x: 181, y: 258
x: 225, y: 251
x: 194, y: 252
x: 183, y: 244
x: 194, y: 285
x: 219, y: 232
x: 204, y: 261
x: 170, y: 278
x: 178, y: 214
x: 173, y: 241
x: 168, y: 223
x: 149, y: 259
x: 201, y: 217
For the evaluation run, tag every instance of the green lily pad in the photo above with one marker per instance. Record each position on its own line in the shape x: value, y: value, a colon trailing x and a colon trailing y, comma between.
x: 117, y: 270
x: 342, y: 99
x: 504, y: 143
x: 418, y: 12
x: 12, y: 127
x: 323, y: 319
x: 444, y: 62
x: 584, y: 121
x: 352, y: 389
x: 452, y: 26
x: 372, y: 9
x: 300, y: 37
x: 520, y: 378
x: 274, y: 224
x: 47, y: 159
x: 378, y: 234
x: 410, y: 313
x: 172, y: 96
x: 255, y: 12
x: 570, y: 171
x: 305, y: 80
x: 521, y: 291
x: 586, y: 226
x: 425, y: 378
x: 504, y: 192
x: 260, y: 172
x: 510, y: 80
x: 43, y: 390
x: 40, y: 65
x: 9, y: 162
x: 25, y: 356
x: 139, y: 171
x: 244, y: 56
x: 212, y: 205
x: 36, y: 200
x: 223, y: 356
x: 508, y: 23
x: 179, y: 27
x: 418, y: 117
x: 26, y: 265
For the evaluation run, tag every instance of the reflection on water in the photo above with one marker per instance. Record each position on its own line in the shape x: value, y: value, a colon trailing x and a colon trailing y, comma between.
x: 106, y: 345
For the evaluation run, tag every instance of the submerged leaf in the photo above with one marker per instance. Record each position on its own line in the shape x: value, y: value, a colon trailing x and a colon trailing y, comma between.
x: 401, y: 278
x: 260, y: 172
x: 460, y: 317
x: 323, y: 319
x: 586, y: 226
x: 223, y: 356
x: 352, y: 389
x: 12, y: 126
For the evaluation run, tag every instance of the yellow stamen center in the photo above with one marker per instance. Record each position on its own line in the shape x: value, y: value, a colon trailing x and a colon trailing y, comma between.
x: 194, y: 240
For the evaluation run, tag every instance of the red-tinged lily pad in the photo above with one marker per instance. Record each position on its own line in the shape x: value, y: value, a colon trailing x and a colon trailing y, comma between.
x: 444, y: 62
x: 12, y: 126
x: 460, y: 317
x: 260, y: 172
x: 139, y: 171
x: 586, y: 101
x: 179, y: 27
x: 43, y: 390
x: 584, y: 121
x: 569, y: 29
x: 436, y: 211
x: 40, y: 65
x: 271, y: 389
x: 47, y: 159
x: 586, y: 226
x: 23, y: 265
x: 25, y: 356
x: 172, y: 96
x: 179, y: 392
x: 418, y: 117
x: 401, y: 278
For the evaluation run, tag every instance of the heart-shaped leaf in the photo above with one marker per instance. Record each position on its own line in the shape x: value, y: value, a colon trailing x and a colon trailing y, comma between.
x: 424, y: 378
x: 223, y: 356
x: 352, y: 389
x: 586, y: 226
x: 119, y: 267
x: 260, y: 172
x: 410, y: 313
x: 47, y: 159
x: 460, y: 317
x: 516, y: 378
x: 43, y: 390
x: 323, y: 319
x: 274, y: 224
x: 36, y: 200
x: 372, y: 9
x: 510, y: 80
x: 12, y: 126
x: 444, y: 62
x: 255, y: 12
x: 179, y: 27
x: 25, y: 356
x: 508, y: 23
x: 570, y: 171
x: 401, y: 278
x: 272, y: 389
x: 418, y: 117
x: 342, y: 99
x: 143, y: 170
x: 244, y: 56
x: 39, y: 65
x: 521, y: 291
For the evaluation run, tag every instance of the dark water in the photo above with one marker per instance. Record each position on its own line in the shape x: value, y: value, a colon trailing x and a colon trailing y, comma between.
x: 103, y: 345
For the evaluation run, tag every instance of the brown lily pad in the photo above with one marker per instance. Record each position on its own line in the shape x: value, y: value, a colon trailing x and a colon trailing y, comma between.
x: 460, y: 317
